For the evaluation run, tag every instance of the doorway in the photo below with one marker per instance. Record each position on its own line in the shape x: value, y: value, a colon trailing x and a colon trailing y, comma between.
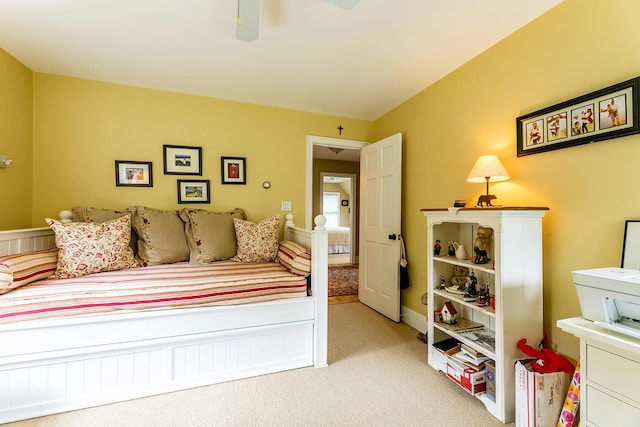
x: 333, y: 169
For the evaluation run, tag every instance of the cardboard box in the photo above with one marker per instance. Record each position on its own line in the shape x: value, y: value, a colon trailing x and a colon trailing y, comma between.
x: 471, y: 380
x: 539, y: 397
x: 490, y: 368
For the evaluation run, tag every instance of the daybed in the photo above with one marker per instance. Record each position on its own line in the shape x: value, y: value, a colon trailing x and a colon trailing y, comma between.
x: 58, y: 364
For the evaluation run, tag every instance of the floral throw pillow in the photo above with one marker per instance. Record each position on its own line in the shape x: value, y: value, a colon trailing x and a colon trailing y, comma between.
x: 87, y: 247
x: 257, y: 242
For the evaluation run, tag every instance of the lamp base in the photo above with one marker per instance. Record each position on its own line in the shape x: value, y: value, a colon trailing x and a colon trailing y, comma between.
x: 485, y: 200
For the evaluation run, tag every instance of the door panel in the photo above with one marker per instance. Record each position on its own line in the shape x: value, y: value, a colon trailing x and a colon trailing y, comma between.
x: 380, y: 217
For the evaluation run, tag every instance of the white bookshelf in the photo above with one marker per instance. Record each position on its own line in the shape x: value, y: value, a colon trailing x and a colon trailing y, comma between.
x: 514, y: 275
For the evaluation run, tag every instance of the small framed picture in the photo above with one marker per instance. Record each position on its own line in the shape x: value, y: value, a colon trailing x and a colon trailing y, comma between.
x: 345, y: 202
x: 194, y: 191
x: 234, y: 170
x: 130, y: 173
x: 631, y: 245
x: 182, y: 160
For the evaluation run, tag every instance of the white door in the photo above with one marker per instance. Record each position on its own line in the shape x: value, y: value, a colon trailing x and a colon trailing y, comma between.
x: 380, y: 215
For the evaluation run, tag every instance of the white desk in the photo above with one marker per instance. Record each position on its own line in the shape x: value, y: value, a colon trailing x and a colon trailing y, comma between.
x: 609, y: 374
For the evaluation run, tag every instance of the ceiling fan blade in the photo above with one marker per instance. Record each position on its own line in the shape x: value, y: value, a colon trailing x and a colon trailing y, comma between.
x: 247, y: 20
x: 344, y: 4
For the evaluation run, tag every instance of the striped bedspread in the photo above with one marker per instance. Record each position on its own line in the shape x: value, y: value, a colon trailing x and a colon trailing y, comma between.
x: 156, y: 287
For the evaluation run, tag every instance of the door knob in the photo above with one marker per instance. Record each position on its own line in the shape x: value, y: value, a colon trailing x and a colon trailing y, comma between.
x: 392, y: 237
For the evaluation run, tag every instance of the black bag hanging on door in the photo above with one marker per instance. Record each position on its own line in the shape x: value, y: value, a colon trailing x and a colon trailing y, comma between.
x: 404, y: 270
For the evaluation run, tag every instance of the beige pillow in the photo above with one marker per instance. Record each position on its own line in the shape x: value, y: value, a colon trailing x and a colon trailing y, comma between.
x: 257, y: 242
x: 91, y: 214
x: 161, y: 236
x: 210, y: 235
x: 89, y: 247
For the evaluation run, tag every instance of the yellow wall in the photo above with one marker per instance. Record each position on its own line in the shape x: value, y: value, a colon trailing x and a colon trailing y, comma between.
x: 578, y: 47
x: 16, y: 83
x: 81, y: 127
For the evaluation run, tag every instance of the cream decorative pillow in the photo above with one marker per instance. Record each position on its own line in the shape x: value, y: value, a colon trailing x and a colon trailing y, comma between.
x: 294, y: 258
x: 91, y: 214
x: 161, y: 236
x: 88, y: 247
x: 21, y: 269
x: 257, y: 242
x: 210, y: 235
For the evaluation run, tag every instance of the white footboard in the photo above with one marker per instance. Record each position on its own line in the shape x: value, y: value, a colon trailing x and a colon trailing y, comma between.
x: 52, y: 366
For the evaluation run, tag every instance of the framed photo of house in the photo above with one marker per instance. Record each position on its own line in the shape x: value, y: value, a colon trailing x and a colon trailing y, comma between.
x: 234, y: 170
x: 631, y: 245
x: 130, y: 173
x: 182, y: 160
x: 608, y: 113
x: 194, y: 191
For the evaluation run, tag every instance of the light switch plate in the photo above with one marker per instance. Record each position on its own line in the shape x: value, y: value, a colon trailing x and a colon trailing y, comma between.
x: 286, y: 205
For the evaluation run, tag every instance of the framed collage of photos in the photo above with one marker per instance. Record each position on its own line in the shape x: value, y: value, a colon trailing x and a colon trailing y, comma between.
x: 608, y: 113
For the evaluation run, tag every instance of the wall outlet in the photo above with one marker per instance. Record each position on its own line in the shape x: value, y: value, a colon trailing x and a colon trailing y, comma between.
x: 286, y: 205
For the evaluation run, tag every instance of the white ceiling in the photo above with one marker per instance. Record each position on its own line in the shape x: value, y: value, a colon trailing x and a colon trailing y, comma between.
x: 310, y: 55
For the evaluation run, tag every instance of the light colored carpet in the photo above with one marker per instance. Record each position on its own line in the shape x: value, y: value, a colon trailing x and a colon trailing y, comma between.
x: 377, y: 376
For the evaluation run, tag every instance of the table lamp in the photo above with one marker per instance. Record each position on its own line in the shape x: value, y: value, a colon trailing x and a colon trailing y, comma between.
x: 487, y: 169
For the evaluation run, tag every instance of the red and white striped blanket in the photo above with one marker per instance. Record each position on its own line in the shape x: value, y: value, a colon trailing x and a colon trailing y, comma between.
x: 155, y: 287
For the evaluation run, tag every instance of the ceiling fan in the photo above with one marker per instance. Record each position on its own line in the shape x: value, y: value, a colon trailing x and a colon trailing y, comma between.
x: 247, y: 18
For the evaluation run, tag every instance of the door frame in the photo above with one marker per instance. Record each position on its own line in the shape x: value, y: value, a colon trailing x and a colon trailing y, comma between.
x: 352, y: 184
x: 322, y: 141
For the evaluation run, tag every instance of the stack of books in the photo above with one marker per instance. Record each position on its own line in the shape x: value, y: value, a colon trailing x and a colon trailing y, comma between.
x: 469, y: 357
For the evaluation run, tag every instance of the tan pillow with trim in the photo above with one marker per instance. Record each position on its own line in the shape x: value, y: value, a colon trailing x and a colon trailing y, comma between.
x: 210, y: 235
x: 161, y: 236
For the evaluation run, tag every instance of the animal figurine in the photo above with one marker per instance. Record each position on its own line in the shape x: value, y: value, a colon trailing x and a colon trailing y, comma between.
x: 546, y: 360
x: 486, y: 199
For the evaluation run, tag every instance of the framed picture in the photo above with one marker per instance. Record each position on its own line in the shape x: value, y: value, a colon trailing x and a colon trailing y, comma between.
x: 182, y: 160
x: 631, y: 245
x: 608, y: 113
x: 130, y: 173
x: 194, y: 191
x: 234, y: 170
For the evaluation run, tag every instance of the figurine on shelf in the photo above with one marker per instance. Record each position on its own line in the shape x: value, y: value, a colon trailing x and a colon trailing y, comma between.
x: 481, y: 245
x: 436, y: 248
x: 459, y: 278
x: 470, y: 290
x: 484, y: 298
x: 451, y: 251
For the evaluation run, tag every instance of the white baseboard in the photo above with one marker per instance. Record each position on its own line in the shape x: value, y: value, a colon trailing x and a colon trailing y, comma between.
x: 414, y: 319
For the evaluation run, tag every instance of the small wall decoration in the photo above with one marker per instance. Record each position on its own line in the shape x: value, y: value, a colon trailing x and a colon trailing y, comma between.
x: 345, y: 202
x: 234, y: 170
x: 608, y: 113
x: 130, y: 173
x: 193, y: 191
x: 182, y: 160
x: 631, y: 245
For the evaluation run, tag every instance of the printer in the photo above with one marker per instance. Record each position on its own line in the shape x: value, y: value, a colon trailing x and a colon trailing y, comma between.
x: 610, y: 297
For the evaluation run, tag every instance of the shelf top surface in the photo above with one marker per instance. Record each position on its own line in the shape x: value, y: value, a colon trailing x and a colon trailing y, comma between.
x: 488, y: 208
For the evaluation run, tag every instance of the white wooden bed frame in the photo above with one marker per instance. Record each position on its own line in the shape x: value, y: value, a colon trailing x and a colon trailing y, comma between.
x: 58, y: 365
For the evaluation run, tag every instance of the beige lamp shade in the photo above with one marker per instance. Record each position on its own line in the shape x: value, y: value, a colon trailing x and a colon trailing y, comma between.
x: 488, y: 169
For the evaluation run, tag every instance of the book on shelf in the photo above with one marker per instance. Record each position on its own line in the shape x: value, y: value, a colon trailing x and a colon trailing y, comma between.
x: 460, y: 325
x: 484, y: 337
